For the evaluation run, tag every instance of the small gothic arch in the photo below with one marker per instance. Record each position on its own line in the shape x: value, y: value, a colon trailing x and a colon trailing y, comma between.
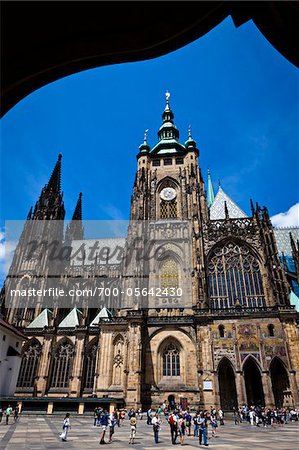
x: 271, y: 330
x: 221, y: 330
x: 118, y: 360
x: 29, y: 365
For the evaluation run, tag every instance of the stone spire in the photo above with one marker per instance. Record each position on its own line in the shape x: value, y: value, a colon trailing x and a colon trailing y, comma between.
x: 55, y: 179
x: 210, y: 190
x: 75, y: 230
x: 50, y: 204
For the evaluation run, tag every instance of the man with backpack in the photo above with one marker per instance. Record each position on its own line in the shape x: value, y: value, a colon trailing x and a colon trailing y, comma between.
x: 202, y: 426
x: 173, y: 422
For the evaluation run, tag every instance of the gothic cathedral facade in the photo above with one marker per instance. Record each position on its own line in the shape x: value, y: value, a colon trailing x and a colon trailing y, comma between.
x: 232, y: 338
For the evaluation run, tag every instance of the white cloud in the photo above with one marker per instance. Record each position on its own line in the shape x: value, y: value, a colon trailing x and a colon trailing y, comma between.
x: 290, y: 218
x: 6, y: 255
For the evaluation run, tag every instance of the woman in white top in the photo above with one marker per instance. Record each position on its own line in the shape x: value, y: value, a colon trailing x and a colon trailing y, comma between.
x: 65, y: 427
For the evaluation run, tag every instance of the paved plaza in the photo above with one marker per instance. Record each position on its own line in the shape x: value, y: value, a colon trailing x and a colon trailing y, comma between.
x: 41, y: 433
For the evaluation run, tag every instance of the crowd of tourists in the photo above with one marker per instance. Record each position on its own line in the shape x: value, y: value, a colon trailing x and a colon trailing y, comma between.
x: 202, y: 424
x: 260, y: 416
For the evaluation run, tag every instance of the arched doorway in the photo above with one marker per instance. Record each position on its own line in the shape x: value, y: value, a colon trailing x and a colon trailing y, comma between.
x: 171, y: 401
x: 227, y: 385
x: 253, y: 383
x: 280, y: 382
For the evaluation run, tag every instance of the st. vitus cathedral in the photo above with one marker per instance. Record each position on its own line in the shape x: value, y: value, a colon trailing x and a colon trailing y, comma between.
x: 229, y: 337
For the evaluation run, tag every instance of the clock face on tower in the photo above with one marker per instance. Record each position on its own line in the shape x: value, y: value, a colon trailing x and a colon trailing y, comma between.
x: 168, y: 194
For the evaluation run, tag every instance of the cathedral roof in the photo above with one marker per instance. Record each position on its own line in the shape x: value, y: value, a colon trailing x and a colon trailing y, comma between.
x: 294, y: 300
x: 42, y: 320
x: 283, y: 240
x: 103, y: 314
x: 71, y: 320
x: 217, y: 209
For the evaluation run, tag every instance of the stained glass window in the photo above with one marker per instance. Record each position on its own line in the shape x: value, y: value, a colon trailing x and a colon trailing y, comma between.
x: 169, y: 274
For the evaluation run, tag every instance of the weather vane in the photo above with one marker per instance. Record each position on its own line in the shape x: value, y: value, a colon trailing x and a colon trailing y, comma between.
x: 189, y: 131
x: 167, y: 95
x: 145, y: 134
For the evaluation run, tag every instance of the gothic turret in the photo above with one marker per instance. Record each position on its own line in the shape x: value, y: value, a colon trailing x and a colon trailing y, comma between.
x: 75, y: 230
x: 210, y: 190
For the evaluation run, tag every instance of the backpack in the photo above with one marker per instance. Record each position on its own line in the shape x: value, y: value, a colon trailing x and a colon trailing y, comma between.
x: 171, y: 420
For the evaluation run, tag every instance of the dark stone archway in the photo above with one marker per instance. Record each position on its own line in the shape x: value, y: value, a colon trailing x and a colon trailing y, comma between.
x: 227, y: 385
x: 280, y: 381
x: 45, y: 41
x: 253, y: 383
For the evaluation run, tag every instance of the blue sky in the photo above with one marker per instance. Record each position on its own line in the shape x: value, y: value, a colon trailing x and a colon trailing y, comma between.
x: 238, y: 93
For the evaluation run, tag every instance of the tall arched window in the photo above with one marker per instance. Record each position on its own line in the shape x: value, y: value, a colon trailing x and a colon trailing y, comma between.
x: 234, y: 277
x: 171, y: 361
x: 62, y: 365
x: 169, y: 274
x: 90, y: 366
x: 29, y: 364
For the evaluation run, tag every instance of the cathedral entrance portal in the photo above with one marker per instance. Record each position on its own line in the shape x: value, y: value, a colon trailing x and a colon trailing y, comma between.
x: 253, y: 383
x: 227, y: 385
x: 171, y: 401
x: 280, y: 382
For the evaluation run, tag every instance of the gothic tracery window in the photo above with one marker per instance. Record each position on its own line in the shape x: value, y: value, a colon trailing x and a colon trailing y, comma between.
x: 29, y: 365
x: 168, y: 210
x: 169, y: 274
x: 62, y: 365
x: 234, y: 277
x: 171, y: 361
x: 90, y: 366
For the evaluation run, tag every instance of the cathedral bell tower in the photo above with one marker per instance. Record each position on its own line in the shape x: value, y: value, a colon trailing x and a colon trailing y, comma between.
x: 169, y: 192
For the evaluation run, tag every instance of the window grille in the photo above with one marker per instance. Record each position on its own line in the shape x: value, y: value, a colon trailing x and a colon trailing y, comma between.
x: 62, y: 365
x: 29, y: 365
x: 171, y: 361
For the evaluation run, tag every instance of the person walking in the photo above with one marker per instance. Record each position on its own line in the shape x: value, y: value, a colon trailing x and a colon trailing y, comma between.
x: 221, y: 416
x: 156, y: 422
x: 66, y: 426
x: 214, y: 424
x: 112, y: 423
x: 202, y: 426
x: 8, y: 413
x: 1, y: 414
x: 148, y: 416
x: 182, y: 428
x: 172, y: 420
x: 133, y: 425
x: 104, y: 423
x: 188, y: 419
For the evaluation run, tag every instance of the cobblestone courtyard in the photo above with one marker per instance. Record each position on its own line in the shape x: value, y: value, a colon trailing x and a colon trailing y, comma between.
x: 41, y: 433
